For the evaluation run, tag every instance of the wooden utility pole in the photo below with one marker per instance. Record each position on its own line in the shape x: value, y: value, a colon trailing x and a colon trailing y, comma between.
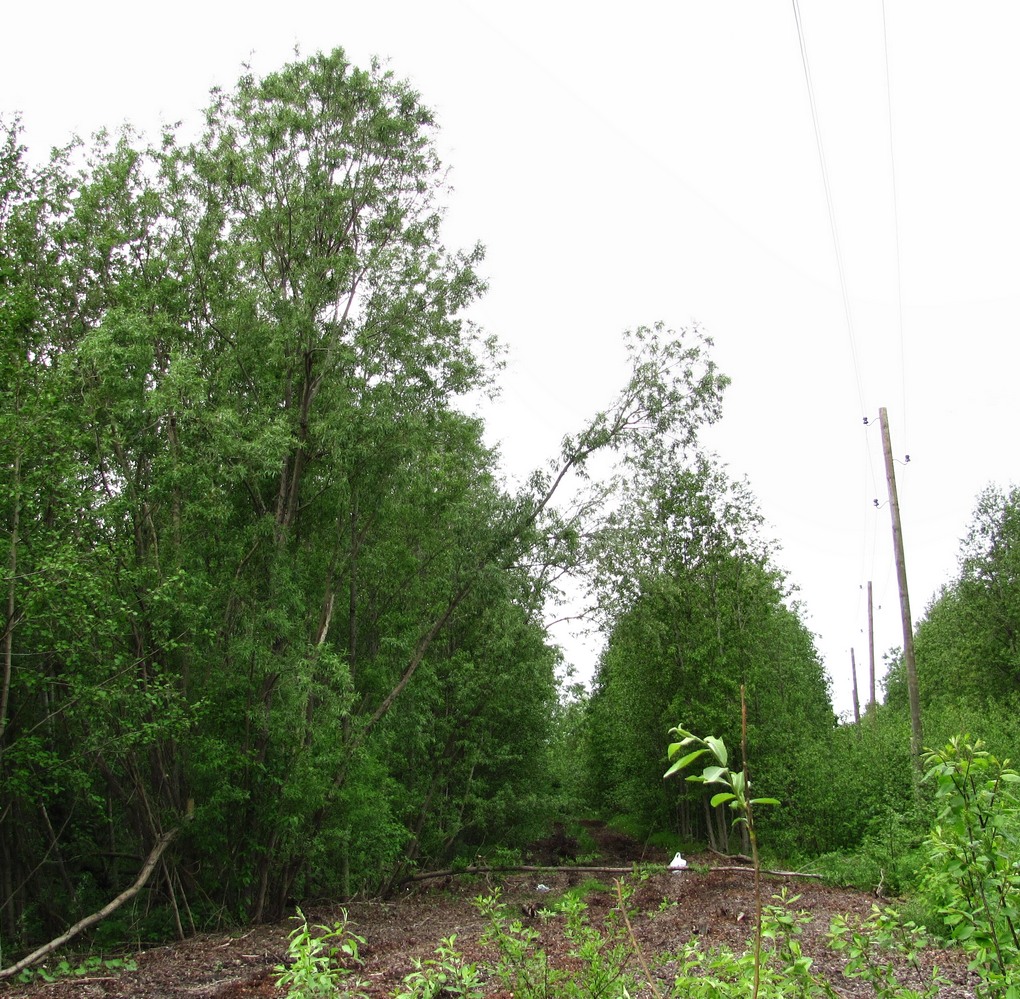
x: 916, y: 736
x: 871, y: 648
x: 857, y: 703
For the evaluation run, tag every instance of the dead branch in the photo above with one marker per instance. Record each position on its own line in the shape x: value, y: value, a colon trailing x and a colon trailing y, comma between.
x: 731, y: 856
x: 536, y: 869
x: 514, y: 869
x: 778, y: 874
x: 635, y: 947
x: 83, y: 924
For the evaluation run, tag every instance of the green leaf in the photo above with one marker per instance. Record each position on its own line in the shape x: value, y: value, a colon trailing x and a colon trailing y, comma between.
x: 765, y: 801
x: 687, y: 737
x: 718, y: 747
x: 714, y: 775
x: 684, y: 761
x: 721, y: 797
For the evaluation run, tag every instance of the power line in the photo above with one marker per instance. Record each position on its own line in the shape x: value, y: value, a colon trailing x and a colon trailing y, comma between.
x: 896, y: 230
x: 869, y: 527
x: 839, y: 262
x: 831, y: 208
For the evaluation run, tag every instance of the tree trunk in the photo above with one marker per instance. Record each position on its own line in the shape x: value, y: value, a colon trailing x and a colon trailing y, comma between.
x: 83, y: 924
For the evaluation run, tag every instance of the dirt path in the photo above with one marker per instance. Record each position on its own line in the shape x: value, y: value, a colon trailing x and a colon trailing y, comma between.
x: 714, y: 906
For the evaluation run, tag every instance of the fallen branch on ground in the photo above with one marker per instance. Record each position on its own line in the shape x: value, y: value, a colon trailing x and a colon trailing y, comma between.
x: 514, y: 869
x: 731, y: 856
x: 83, y: 924
x: 778, y: 874
x: 537, y: 869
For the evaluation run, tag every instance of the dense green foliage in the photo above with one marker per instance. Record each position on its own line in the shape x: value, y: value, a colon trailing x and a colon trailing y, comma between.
x: 243, y: 505
x: 971, y: 875
x: 968, y: 644
x: 695, y: 609
x: 263, y: 582
x: 866, y: 815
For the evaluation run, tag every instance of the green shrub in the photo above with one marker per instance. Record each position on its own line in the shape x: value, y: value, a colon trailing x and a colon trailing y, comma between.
x: 319, y: 963
x: 887, y: 861
x: 521, y: 965
x: 602, y: 954
x: 883, y: 951
x: 447, y: 975
x: 972, y: 874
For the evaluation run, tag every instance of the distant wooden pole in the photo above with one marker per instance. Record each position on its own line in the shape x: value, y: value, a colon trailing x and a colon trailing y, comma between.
x: 871, y: 647
x: 857, y: 703
x: 916, y: 735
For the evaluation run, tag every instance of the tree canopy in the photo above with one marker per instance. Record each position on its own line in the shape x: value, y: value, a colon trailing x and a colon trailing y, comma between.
x: 968, y: 642
x: 695, y: 608
x: 264, y: 582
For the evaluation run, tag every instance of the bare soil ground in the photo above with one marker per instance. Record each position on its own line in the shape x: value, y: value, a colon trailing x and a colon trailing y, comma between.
x: 713, y: 905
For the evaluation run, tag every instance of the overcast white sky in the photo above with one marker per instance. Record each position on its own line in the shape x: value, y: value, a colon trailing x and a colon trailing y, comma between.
x: 658, y: 161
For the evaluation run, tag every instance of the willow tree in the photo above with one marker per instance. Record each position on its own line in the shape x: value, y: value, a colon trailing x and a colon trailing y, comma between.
x: 968, y: 642
x: 694, y: 609
x: 255, y: 354
x: 271, y: 587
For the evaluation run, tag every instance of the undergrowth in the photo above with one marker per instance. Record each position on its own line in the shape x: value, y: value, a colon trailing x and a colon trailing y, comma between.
x: 967, y: 867
x: 607, y: 962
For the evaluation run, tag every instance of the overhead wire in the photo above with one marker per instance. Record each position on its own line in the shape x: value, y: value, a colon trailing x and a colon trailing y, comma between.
x: 830, y: 205
x: 870, y: 468
x: 834, y: 228
x: 904, y: 415
x: 838, y: 251
x: 896, y: 233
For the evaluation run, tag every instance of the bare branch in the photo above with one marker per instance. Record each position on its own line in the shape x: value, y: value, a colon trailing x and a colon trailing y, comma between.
x: 83, y: 924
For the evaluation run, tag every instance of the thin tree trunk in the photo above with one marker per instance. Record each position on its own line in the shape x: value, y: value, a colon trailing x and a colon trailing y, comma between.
x: 10, y: 624
x: 10, y: 910
x: 83, y: 924
x: 55, y: 850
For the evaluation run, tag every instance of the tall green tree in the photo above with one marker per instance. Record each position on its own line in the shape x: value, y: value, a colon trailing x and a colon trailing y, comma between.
x: 330, y: 318
x: 697, y: 609
x: 968, y: 642
x: 56, y: 605
x: 263, y: 581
